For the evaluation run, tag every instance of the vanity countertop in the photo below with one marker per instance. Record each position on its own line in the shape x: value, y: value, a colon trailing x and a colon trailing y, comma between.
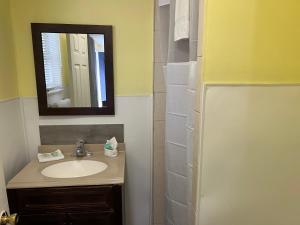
x: 30, y: 176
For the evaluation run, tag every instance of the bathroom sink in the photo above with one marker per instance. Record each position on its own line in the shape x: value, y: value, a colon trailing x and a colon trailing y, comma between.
x: 73, y: 169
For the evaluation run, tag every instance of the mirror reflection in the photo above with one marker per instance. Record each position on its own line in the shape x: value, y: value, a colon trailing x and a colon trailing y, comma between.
x: 74, y: 67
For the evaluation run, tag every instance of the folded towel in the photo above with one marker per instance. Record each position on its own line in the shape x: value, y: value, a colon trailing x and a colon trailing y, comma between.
x: 52, y: 156
x: 64, y: 103
x: 182, y: 20
x: 163, y: 2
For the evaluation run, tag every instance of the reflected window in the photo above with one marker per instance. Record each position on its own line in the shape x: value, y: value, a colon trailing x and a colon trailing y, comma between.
x: 52, y: 60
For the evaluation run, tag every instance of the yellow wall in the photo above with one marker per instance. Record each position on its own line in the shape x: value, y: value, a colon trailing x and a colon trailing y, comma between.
x: 8, y: 78
x: 133, y: 37
x: 253, y: 41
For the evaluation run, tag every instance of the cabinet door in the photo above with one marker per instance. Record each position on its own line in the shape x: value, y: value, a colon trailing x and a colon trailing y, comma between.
x: 61, y: 199
x: 96, y: 205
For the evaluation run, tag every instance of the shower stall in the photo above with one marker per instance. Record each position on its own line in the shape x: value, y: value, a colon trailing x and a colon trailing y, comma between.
x: 176, y: 75
x: 180, y: 98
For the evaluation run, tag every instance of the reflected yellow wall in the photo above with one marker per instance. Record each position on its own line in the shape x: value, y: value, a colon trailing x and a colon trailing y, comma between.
x: 255, y: 41
x: 8, y: 77
x: 133, y: 36
x: 64, y: 59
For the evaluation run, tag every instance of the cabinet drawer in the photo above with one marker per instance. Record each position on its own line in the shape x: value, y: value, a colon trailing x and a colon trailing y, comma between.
x: 63, y: 199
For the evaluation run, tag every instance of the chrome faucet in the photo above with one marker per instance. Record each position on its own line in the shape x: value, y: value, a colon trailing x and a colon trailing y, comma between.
x: 80, y: 149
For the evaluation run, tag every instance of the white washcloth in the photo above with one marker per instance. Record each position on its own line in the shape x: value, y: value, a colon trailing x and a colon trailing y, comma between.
x: 46, y: 157
x: 182, y: 20
x: 163, y: 2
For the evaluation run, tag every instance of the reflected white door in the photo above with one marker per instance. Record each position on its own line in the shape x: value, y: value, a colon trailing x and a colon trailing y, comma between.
x: 79, y: 61
x: 3, y: 197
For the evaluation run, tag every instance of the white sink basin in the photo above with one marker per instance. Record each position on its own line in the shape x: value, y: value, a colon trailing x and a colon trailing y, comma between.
x: 73, y: 169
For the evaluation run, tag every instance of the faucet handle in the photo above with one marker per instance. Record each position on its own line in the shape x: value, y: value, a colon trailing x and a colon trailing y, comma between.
x: 81, y: 141
x: 80, y: 150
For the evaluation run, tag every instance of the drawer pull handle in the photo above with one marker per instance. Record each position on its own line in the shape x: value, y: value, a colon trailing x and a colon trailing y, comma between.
x: 6, y: 219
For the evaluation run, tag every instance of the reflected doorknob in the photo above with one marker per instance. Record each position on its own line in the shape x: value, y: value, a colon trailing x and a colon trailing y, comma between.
x: 8, y: 220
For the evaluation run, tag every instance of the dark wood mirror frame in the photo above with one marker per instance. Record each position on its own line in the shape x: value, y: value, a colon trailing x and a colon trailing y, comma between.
x: 44, y: 110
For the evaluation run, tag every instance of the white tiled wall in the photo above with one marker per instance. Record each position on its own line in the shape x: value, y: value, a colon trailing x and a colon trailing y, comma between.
x: 177, y: 211
x: 182, y: 136
x: 175, y: 128
x: 161, y: 32
x: 179, y: 141
x: 176, y: 157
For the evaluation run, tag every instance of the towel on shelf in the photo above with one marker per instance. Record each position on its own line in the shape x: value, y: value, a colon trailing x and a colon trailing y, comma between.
x: 182, y: 20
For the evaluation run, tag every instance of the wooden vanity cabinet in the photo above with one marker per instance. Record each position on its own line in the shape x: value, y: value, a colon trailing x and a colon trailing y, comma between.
x: 96, y: 205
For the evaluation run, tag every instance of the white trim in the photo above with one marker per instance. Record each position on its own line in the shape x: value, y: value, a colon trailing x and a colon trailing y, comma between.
x: 28, y: 97
x: 8, y: 99
x: 199, y: 167
x: 119, y: 96
x: 151, y: 122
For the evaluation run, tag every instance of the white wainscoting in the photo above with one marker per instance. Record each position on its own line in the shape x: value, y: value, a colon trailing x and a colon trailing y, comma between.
x: 13, y: 154
x: 251, y: 155
x: 135, y: 112
x: 13, y: 151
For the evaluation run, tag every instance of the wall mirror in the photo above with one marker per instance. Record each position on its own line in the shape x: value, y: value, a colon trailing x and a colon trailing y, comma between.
x: 74, y: 69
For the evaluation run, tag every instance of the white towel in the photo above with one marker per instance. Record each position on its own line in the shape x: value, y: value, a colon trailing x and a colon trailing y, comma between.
x: 163, y: 2
x: 182, y: 20
x: 52, y: 156
x: 64, y: 103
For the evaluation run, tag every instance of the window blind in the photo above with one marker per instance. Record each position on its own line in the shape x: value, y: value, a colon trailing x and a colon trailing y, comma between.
x: 52, y: 60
